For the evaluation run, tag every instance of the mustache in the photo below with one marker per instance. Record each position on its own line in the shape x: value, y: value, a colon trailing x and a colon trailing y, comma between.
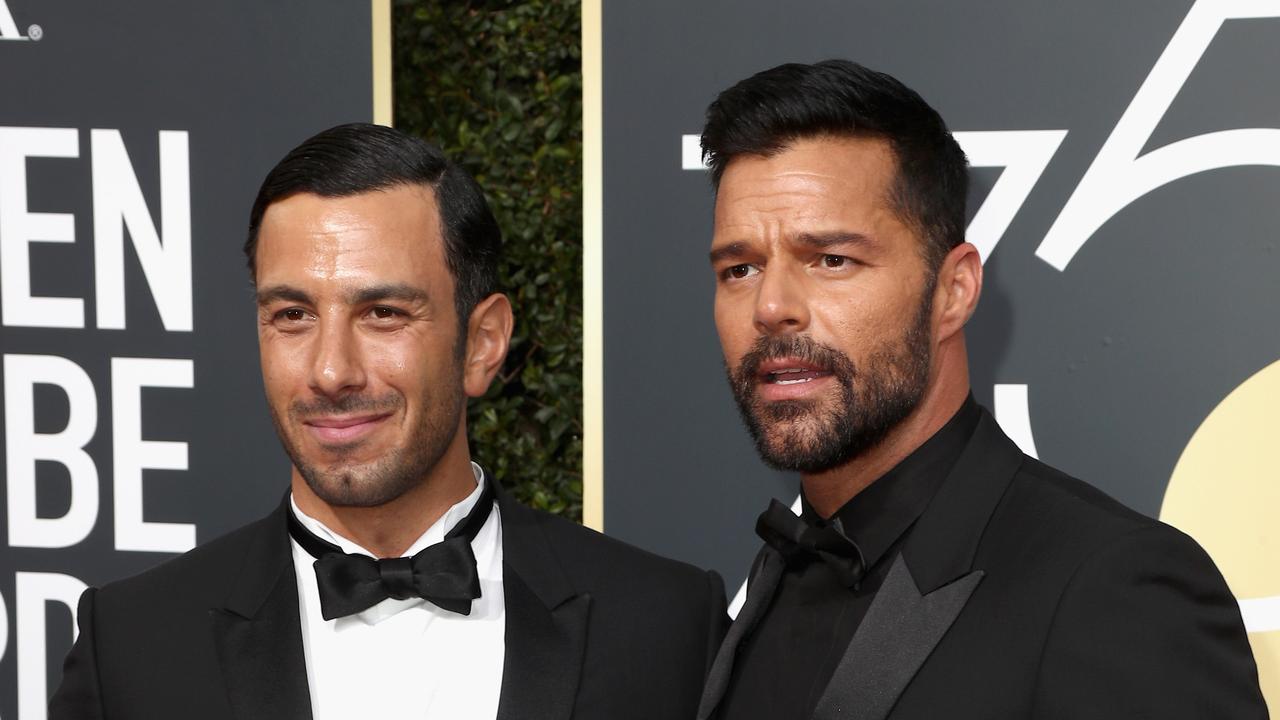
x: 344, y: 405
x: 800, y: 347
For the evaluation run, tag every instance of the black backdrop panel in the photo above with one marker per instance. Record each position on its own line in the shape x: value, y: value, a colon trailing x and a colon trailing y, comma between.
x: 133, y: 137
x: 1122, y: 304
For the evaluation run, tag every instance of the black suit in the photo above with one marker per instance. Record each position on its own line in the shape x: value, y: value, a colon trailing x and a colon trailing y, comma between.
x: 1023, y: 593
x: 595, y: 629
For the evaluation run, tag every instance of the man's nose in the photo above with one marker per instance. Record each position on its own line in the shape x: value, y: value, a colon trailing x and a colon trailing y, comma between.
x: 781, y: 302
x: 337, y: 367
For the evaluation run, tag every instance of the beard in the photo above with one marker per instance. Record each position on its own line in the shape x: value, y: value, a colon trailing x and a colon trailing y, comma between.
x: 815, y: 435
x: 342, y: 483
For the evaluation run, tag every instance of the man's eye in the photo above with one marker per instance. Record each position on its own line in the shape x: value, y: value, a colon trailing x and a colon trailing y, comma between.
x: 384, y: 313
x: 834, y: 261
x: 737, y: 272
x: 293, y: 314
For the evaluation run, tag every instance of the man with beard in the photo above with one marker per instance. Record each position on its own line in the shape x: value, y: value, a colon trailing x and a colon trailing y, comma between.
x: 935, y: 570
x: 395, y: 580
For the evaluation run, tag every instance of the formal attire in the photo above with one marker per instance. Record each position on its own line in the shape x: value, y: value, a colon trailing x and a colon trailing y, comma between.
x: 398, y: 641
x: 568, y: 624
x: 985, y: 585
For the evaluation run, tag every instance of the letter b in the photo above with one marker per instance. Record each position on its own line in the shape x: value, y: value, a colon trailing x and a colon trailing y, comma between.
x: 24, y: 446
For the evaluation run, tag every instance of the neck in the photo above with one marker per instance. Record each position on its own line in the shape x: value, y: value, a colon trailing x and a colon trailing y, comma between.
x: 828, y: 491
x: 389, y: 529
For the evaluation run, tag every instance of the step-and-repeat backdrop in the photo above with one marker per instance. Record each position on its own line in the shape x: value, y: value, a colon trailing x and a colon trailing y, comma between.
x: 133, y: 137
x: 1126, y: 164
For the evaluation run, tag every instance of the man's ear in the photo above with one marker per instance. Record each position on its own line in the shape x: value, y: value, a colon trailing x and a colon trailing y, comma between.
x: 959, y: 285
x: 488, y: 337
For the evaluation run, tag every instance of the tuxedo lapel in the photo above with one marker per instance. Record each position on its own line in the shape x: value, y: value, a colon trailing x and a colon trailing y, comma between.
x: 543, y: 654
x: 546, y: 623
x: 258, y: 633
x: 928, y: 584
x: 898, y: 632
x: 765, y: 573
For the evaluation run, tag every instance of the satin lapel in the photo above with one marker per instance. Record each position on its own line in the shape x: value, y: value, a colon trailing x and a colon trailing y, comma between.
x: 928, y: 584
x: 546, y: 623
x: 543, y: 654
x: 258, y: 633
x: 899, y: 631
x: 765, y: 573
x: 944, y: 543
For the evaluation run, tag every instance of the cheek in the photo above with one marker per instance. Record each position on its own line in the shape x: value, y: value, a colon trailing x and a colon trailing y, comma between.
x: 858, y: 324
x: 734, y: 323
x: 281, y: 369
x: 405, y: 365
x: 730, y: 338
x: 388, y: 365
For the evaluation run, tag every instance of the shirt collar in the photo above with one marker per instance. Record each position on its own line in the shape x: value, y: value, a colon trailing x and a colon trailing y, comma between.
x: 433, y: 534
x: 876, y: 517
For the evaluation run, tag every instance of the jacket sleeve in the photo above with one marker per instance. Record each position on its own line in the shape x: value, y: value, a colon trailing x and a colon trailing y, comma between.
x: 78, y: 696
x: 1147, y: 628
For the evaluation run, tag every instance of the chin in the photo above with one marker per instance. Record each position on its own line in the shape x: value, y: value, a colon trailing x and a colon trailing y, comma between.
x: 350, y: 486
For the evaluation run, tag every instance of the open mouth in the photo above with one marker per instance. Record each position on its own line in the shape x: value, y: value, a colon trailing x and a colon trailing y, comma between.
x: 792, y: 376
x: 790, y: 371
x: 789, y: 378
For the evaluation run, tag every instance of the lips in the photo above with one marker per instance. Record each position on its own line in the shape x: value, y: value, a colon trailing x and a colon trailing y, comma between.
x: 343, y: 430
x: 789, y: 378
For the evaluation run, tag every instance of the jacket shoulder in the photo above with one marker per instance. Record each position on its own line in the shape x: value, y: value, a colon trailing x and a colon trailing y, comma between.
x: 201, y: 576
x: 640, y: 602
x: 1065, y: 520
x: 586, y: 554
x: 1143, y: 617
x: 1058, y: 493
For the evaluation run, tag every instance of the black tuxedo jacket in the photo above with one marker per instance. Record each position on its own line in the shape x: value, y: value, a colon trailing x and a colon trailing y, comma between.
x: 595, y: 629
x: 1024, y: 593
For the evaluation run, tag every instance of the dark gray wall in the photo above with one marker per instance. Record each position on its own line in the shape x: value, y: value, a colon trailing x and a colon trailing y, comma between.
x: 246, y: 81
x: 1166, y: 308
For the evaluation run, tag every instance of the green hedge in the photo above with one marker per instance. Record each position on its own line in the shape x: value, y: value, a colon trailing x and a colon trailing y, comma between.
x: 499, y: 87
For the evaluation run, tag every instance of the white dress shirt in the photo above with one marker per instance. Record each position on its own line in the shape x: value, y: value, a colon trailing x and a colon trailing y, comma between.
x: 407, y: 659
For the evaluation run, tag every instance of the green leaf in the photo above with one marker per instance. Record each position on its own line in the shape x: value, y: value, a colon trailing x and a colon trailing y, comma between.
x: 499, y: 87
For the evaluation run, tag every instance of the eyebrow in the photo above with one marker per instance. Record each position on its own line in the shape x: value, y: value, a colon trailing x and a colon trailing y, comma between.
x: 390, y: 291
x: 373, y: 293
x: 275, y: 293
x: 732, y: 251
x: 735, y: 250
x: 832, y: 239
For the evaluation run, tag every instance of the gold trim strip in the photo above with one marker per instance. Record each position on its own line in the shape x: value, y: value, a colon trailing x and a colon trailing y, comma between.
x: 382, y: 93
x: 593, y: 267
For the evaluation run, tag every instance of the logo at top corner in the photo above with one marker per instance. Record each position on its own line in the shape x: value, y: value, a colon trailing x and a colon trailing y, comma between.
x: 9, y: 28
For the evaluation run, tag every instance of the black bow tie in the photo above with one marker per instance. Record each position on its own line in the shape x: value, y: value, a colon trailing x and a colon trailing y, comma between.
x: 796, y: 539
x: 443, y: 574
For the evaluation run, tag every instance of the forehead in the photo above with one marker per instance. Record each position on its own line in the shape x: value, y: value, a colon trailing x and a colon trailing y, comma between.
x: 812, y: 182
x: 390, y: 234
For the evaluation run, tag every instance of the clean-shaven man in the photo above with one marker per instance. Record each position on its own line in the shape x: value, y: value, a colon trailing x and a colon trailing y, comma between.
x: 395, y: 580
x: 935, y: 571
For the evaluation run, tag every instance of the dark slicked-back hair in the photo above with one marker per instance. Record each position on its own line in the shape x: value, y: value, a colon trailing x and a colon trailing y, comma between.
x: 764, y: 114
x: 358, y: 158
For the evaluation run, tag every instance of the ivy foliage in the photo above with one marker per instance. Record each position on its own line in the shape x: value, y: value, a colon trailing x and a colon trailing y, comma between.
x: 498, y: 86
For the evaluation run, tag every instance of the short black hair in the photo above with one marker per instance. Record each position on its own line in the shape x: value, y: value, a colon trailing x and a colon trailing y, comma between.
x: 358, y: 158
x: 764, y: 114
